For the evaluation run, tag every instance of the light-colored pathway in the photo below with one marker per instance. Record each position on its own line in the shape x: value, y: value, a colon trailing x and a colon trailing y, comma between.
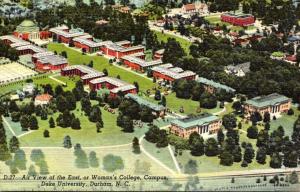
x: 9, y: 127
x: 174, y: 159
x: 153, y: 158
x: 57, y: 80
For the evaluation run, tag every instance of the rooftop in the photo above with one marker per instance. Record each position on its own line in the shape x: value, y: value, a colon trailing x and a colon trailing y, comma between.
x: 215, y: 84
x: 193, y: 121
x: 53, y: 60
x: 88, y: 71
x: 144, y: 102
x: 267, y: 100
x: 43, y: 97
x: 120, y: 85
x: 141, y: 62
x: 27, y: 26
x: 173, y: 72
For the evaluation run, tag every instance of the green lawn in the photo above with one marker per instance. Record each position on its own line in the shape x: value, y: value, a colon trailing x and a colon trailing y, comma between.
x: 189, y: 106
x: 185, y: 44
x: 100, y: 63
x: 212, y: 164
x: 38, y: 80
x: 162, y: 154
x: 111, y: 134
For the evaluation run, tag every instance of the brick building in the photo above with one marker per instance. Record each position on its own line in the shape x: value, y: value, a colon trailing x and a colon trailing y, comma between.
x: 120, y: 49
x: 274, y: 103
x: 159, y: 54
x: 84, y: 72
x: 51, y: 63
x: 189, y: 8
x: 169, y: 73
x: 238, y: 19
x: 13, y: 41
x: 28, y: 30
x: 202, y: 124
x: 86, y: 43
x: 64, y: 34
x: 29, y: 49
x: 138, y: 64
x: 113, y: 84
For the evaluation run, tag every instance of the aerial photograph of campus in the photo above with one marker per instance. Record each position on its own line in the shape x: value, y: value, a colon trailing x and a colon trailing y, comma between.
x: 149, y: 95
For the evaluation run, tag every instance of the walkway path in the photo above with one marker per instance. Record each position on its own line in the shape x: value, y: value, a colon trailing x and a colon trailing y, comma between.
x: 9, y: 127
x: 57, y: 80
x: 100, y: 147
x: 174, y: 159
x: 153, y: 158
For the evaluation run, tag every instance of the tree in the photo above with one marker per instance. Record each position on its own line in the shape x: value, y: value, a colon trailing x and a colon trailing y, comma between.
x: 111, y: 163
x: 136, y: 84
x: 127, y: 124
x: 252, y: 132
x: 93, y: 160
x: 293, y: 178
x: 75, y: 124
x: 191, y: 167
x: 157, y: 95
x: 81, y: 160
x: 290, y: 111
x: 152, y: 134
x: 162, y: 139
x: 31, y: 171
x: 95, y: 115
x: 99, y: 125
x: 24, y: 121
x: 14, y: 144
x: 15, y: 117
x: 261, y: 155
x: 211, y: 147
x: 46, y: 133
x: 220, y: 136
x: 51, y: 122
x: 136, y: 145
x: 146, y: 114
x: 164, y: 101
x: 196, y: 143
x: 229, y: 121
x: 290, y: 159
x: 237, y: 106
x: 173, y: 51
x: 33, y: 123
x: 249, y: 154
x: 226, y: 158
x: 267, y: 117
x: 276, y: 161
x: 20, y: 159
x: 67, y: 142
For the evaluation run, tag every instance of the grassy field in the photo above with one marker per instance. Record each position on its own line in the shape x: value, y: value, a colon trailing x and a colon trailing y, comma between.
x: 164, y: 38
x: 111, y: 134
x: 189, y: 106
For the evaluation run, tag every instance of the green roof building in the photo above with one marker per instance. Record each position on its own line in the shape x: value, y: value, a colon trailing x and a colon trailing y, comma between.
x: 27, y: 30
x: 159, y: 109
x: 27, y: 26
x: 212, y: 86
x: 204, y: 123
x: 273, y: 104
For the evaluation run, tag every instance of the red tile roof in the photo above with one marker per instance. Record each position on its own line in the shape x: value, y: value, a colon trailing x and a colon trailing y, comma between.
x: 43, y: 97
x: 189, y: 7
